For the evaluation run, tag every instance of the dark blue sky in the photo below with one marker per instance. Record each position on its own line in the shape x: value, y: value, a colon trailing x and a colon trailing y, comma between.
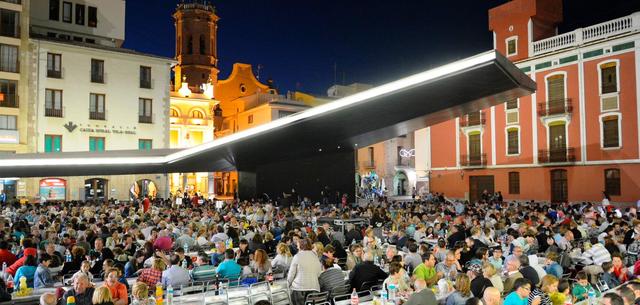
x: 298, y: 41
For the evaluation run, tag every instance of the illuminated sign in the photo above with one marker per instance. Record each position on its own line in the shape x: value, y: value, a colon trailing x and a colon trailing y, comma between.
x: 53, y: 189
x: 407, y: 153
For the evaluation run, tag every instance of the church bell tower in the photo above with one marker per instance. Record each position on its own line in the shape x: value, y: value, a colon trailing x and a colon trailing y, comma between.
x: 196, y: 44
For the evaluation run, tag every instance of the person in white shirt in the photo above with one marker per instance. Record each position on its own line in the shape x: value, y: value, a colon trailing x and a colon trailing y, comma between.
x: 596, y: 255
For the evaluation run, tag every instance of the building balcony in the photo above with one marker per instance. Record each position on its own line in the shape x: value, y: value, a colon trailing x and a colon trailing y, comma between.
x: 582, y: 36
x: 478, y: 160
x: 52, y: 112
x: 473, y: 119
x: 9, y: 100
x: 145, y: 119
x: 557, y: 155
x: 94, y: 115
x: 54, y: 74
x: 555, y: 107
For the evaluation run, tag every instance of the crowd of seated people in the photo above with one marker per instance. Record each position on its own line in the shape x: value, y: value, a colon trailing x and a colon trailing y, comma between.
x: 455, y: 252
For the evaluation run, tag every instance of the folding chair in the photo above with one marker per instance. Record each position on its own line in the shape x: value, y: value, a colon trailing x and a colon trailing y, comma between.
x: 192, y: 288
x: 340, y: 290
x: 259, y: 291
x: 316, y: 298
x: 280, y: 296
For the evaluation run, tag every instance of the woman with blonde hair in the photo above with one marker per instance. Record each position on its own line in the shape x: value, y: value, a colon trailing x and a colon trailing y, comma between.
x: 462, y: 291
x: 102, y: 296
x: 489, y: 271
x: 151, y: 276
x: 283, y: 257
x: 318, y: 249
x: 541, y: 296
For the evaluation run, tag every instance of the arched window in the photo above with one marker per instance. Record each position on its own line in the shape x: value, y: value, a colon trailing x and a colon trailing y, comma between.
x: 174, y: 113
x: 197, y: 114
x: 203, y: 47
x: 190, y: 45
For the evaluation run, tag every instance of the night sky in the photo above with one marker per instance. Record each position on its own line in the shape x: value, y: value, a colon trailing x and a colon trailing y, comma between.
x: 298, y: 42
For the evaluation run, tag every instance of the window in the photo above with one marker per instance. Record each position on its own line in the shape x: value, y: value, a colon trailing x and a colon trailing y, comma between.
x: 144, y: 110
x: 555, y: 88
x: 54, y: 10
x: 608, y: 78
x: 371, y: 156
x: 52, y: 143
x: 8, y: 58
x: 8, y: 122
x: 610, y: 132
x: 512, y: 46
x: 93, y: 17
x: 89, y: 40
x: 96, y: 144
x: 174, y: 113
x: 283, y: 113
x: 53, y: 103
x: 250, y: 119
x: 9, y: 94
x: 96, y: 107
x: 79, y: 14
x: 512, y: 104
x: 9, y: 23
x: 513, y: 143
x: 202, y: 45
x: 197, y: 114
x: 54, y: 65
x: 145, y: 77
x: 612, y: 181
x: 97, y: 71
x: 66, y: 12
x: 514, y: 183
x: 145, y: 144
x: 398, y: 155
x: 190, y: 45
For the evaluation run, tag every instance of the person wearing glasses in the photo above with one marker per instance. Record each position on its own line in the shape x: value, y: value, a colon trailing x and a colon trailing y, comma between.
x: 520, y: 293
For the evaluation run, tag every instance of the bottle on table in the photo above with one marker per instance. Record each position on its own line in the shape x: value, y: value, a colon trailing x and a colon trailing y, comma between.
x: 354, y: 297
x: 592, y: 296
x: 169, y: 295
x: 159, y: 292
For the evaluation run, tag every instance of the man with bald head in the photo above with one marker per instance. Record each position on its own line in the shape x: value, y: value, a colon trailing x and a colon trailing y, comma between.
x: 82, y: 291
x: 491, y: 296
x: 422, y: 296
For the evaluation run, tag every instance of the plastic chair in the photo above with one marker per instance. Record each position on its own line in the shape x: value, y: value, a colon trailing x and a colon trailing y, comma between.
x: 316, y: 298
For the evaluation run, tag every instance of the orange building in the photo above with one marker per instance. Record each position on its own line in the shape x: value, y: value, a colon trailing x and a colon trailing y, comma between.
x: 577, y: 136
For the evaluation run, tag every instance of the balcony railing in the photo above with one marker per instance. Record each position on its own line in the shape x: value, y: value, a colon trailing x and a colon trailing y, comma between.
x: 472, y: 119
x: 97, y: 78
x: 557, y: 155
x: 581, y: 36
x: 95, y: 115
x: 52, y: 112
x: 560, y: 106
x: 54, y: 73
x: 9, y: 100
x: 145, y: 119
x: 473, y: 160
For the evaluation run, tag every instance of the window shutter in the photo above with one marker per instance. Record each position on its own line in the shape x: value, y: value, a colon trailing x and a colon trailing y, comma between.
x: 555, y: 86
x: 610, y: 131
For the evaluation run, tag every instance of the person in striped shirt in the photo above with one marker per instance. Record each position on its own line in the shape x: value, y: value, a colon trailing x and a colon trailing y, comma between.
x: 597, y: 254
